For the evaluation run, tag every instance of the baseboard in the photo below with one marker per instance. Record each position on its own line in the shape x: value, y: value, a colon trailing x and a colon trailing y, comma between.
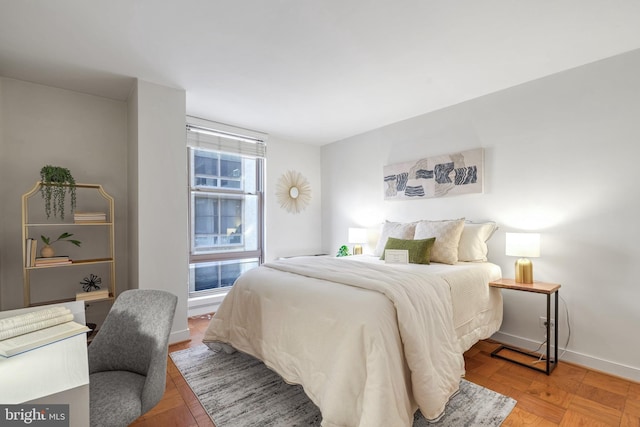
x: 179, y: 336
x: 606, y: 366
x: 198, y: 306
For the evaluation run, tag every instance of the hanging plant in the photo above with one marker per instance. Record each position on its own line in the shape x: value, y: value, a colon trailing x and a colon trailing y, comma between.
x: 56, y: 182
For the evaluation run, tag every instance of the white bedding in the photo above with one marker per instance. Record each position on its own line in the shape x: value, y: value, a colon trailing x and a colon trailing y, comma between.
x: 368, y: 341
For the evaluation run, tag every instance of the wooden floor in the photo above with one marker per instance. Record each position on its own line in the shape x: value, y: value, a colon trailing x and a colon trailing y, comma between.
x: 570, y: 396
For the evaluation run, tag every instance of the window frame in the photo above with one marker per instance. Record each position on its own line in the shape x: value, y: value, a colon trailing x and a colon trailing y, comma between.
x: 225, y: 255
x: 229, y: 255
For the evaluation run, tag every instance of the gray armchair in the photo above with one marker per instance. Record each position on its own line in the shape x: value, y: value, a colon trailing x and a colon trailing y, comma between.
x: 128, y: 357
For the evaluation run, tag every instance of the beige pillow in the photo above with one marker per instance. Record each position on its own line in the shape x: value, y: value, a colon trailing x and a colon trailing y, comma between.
x: 473, y: 241
x: 399, y: 230
x: 447, y: 234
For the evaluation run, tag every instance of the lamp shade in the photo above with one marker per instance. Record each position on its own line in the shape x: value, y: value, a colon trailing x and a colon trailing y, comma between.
x: 357, y: 235
x: 522, y: 244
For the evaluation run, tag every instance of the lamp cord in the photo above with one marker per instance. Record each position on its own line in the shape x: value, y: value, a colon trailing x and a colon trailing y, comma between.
x: 566, y: 309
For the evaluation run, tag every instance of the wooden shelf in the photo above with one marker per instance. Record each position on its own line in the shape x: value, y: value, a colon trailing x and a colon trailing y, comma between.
x: 73, y: 263
x: 95, y: 200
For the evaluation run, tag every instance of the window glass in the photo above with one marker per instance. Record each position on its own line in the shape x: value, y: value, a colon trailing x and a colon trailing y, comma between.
x: 208, y: 276
x: 226, y: 218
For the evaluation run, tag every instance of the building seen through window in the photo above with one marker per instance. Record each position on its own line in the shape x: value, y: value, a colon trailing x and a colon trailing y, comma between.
x: 226, y: 218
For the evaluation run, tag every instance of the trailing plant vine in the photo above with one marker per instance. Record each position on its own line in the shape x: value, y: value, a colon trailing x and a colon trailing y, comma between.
x: 56, y: 182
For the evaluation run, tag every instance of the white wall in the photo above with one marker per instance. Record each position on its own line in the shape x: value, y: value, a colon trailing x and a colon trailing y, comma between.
x: 44, y: 125
x: 287, y: 233
x: 159, y: 195
x: 560, y: 158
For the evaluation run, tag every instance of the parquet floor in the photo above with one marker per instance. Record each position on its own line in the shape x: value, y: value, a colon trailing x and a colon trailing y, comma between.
x: 570, y: 396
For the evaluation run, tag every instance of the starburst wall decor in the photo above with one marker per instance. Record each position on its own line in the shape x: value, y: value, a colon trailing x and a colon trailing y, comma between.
x: 293, y: 192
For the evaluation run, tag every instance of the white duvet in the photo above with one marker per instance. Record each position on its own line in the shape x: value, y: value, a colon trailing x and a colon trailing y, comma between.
x: 369, y: 342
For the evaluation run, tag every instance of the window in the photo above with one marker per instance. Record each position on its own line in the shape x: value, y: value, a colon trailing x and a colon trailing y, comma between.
x: 225, y: 184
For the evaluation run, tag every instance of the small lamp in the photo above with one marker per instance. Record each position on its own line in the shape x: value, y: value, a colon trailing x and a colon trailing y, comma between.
x: 357, y: 236
x: 523, y: 245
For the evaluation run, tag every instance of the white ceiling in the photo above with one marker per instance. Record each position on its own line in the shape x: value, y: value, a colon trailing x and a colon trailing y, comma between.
x: 312, y: 71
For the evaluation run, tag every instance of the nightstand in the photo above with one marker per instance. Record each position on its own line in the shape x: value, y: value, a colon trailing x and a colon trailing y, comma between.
x: 547, y: 289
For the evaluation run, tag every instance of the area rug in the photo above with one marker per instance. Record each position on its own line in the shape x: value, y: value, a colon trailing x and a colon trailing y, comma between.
x: 238, y: 390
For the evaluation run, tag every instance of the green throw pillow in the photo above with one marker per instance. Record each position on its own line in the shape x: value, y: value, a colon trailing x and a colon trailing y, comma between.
x: 419, y: 250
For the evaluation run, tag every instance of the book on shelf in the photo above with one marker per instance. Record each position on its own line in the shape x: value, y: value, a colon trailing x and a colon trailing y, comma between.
x: 92, y: 295
x: 54, y: 260
x: 89, y: 217
x: 52, y: 264
x: 34, y: 247
x: 27, y: 252
x: 25, y: 332
x: 30, y: 252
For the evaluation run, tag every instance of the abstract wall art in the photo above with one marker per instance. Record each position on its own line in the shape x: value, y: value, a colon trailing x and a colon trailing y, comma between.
x: 438, y: 176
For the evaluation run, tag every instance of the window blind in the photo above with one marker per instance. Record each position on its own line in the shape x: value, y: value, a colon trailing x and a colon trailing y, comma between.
x: 210, y: 138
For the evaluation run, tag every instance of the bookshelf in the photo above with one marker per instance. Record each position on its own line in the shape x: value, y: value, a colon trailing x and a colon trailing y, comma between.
x: 59, y: 282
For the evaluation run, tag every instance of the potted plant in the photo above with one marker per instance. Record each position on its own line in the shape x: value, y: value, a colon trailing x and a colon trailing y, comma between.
x: 47, y: 250
x: 56, y: 182
x: 343, y: 251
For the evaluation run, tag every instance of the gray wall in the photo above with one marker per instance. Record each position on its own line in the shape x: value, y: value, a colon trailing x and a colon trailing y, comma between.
x: 561, y: 159
x: 44, y: 125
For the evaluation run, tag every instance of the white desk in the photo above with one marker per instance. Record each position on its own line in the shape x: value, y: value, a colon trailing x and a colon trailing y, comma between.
x: 55, y: 373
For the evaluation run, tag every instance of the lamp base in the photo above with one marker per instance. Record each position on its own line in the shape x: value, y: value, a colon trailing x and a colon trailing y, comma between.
x: 357, y: 249
x: 524, y: 271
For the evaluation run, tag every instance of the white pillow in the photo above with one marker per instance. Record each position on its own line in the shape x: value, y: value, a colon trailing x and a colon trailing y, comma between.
x: 473, y: 241
x: 399, y: 230
x: 447, y: 234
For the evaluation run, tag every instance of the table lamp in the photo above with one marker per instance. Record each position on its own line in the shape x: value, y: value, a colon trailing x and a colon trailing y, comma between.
x: 357, y: 236
x: 523, y: 245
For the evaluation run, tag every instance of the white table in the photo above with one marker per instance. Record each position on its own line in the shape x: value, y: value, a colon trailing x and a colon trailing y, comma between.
x: 57, y: 373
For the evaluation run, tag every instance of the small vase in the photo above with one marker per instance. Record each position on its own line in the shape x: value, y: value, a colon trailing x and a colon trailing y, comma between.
x: 47, y: 251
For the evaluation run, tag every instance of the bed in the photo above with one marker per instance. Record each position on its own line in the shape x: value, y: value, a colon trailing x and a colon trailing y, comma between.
x: 370, y: 342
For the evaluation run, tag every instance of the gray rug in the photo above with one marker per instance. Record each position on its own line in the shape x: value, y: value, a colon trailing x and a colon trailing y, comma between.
x: 238, y: 390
